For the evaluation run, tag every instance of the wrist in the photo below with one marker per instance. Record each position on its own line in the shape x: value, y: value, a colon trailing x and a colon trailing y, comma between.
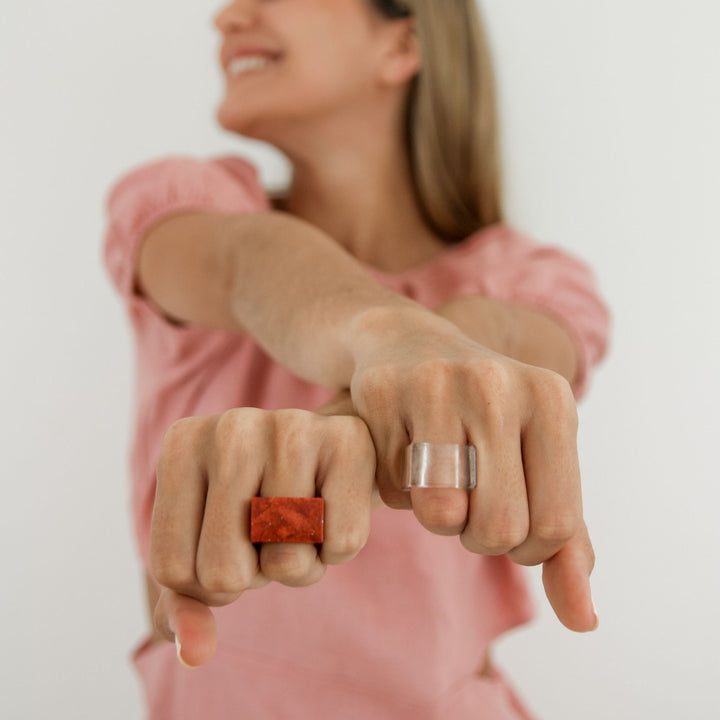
x: 375, y: 330
x: 486, y: 320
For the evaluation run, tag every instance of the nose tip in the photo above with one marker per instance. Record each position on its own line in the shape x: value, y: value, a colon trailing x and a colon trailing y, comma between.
x: 234, y: 15
x: 220, y: 21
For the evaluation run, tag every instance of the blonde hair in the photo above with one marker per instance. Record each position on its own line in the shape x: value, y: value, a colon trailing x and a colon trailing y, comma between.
x: 452, y: 131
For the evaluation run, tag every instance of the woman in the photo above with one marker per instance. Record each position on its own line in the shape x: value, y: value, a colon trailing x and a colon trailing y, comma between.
x: 383, y: 292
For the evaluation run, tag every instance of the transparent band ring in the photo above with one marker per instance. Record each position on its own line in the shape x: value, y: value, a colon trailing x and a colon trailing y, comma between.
x: 439, y: 465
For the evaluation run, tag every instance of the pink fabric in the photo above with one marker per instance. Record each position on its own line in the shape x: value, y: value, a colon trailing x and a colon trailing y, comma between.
x: 400, y: 631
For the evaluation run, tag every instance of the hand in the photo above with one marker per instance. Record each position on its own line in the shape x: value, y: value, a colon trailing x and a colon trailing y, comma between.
x: 208, y: 471
x: 430, y: 383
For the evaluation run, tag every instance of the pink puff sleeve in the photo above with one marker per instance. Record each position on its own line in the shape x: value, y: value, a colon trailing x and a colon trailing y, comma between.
x: 160, y: 188
x: 516, y: 269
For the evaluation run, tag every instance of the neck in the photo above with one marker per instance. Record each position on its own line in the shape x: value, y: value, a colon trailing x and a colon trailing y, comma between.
x: 356, y: 187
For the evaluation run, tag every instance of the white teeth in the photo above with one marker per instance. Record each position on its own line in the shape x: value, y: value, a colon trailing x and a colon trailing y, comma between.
x: 248, y: 62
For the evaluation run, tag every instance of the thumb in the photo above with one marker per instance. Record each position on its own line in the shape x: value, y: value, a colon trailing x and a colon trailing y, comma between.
x: 566, y: 578
x: 190, y: 623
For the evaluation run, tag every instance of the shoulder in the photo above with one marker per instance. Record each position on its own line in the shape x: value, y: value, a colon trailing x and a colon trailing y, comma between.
x: 153, y: 190
x: 504, y: 245
x: 500, y: 235
x: 229, y: 179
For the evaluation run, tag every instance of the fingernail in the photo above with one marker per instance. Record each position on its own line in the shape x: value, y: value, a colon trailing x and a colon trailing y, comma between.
x: 177, y: 643
x: 597, y: 618
x: 180, y: 658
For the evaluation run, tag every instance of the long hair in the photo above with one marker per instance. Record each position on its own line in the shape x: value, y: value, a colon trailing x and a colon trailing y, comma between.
x: 452, y: 132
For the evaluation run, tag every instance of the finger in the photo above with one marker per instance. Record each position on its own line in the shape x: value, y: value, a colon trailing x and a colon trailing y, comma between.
x: 377, y: 405
x: 291, y: 472
x: 179, y: 503
x: 442, y: 511
x: 189, y: 623
x: 346, y: 483
x: 566, y: 578
x: 552, y: 475
x: 227, y: 562
x: 498, y: 517
x: 390, y: 442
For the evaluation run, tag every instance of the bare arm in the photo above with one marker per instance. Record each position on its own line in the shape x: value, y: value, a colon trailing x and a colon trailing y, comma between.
x: 304, y: 299
x: 287, y: 282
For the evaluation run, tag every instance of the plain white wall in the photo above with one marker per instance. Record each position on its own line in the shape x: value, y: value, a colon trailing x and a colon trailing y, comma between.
x: 610, y: 112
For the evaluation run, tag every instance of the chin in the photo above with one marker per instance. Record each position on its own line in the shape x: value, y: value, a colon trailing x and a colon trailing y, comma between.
x: 268, y: 126
x: 234, y: 120
x: 237, y: 117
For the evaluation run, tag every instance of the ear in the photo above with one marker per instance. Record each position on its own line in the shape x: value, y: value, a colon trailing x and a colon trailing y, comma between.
x: 403, y: 57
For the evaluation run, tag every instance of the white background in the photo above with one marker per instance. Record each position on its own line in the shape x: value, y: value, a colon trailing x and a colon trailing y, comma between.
x: 610, y: 112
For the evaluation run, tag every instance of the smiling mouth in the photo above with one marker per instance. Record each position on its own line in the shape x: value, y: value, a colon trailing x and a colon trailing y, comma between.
x: 247, y: 65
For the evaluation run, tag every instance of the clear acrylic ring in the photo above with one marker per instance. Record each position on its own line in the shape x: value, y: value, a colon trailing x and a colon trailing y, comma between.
x: 439, y: 465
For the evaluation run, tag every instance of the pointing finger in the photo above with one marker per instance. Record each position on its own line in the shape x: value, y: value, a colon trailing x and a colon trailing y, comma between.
x: 566, y: 578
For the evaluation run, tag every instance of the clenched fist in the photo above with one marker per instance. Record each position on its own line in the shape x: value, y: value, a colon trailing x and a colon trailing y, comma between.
x: 209, y: 469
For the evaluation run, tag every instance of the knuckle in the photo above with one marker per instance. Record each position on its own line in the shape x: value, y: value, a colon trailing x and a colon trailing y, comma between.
x: 375, y: 388
x: 555, y: 399
x: 352, y: 541
x: 443, y: 514
x: 436, y: 377
x: 283, y: 564
x: 492, y: 384
x: 495, y: 377
x: 352, y: 442
x: 501, y: 538
x: 554, y: 530
x: 178, y: 440
x: 348, y: 430
x: 553, y: 533
x: 222, y: 580
x: 293, y: 430
x: 496, y: 418
x: 291, y: 420
x: 178, y: 432
x: 171, y: 571
x: 236, y: 423
x: 236, y: 433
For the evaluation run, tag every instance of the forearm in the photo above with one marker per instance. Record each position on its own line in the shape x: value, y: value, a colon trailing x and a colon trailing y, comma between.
x: 315, y: 309
x: 519, y: 332
x: 309, y: 303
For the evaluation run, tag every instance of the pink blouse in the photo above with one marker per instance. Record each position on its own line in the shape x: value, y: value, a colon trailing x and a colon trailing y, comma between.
x: 400, y: 631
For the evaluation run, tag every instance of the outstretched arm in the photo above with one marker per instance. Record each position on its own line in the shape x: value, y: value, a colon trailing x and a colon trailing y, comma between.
x: 297, y: 291
x: 413, y: 376
x: 283, y: 280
